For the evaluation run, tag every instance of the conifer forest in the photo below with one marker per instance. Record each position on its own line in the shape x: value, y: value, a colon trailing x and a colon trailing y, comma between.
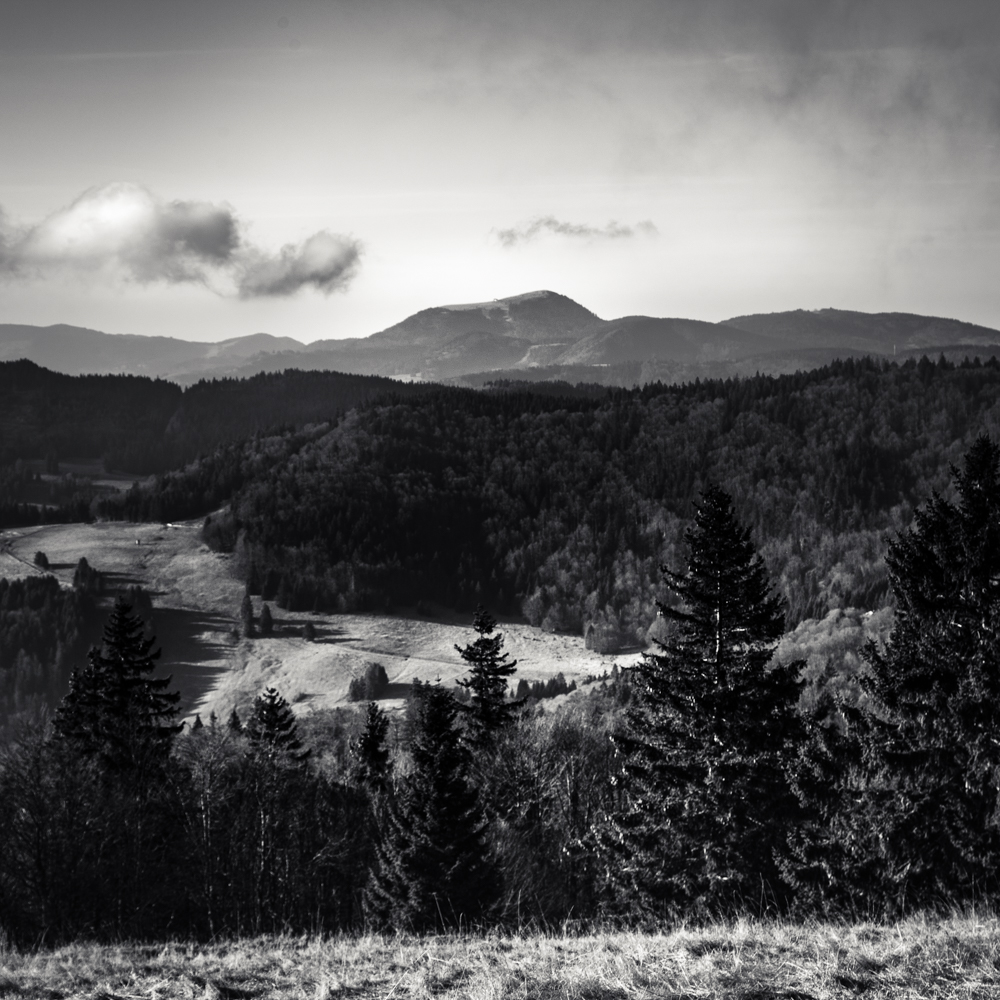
x: 700, y: 522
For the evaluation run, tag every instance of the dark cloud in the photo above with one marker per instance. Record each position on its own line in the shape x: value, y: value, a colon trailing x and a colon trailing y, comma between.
x: 109, y: 25
x: 550, y: 224
x: 206, y: 231
x: 124, y: 229
x: 325, y: 261
x: 718, y: 26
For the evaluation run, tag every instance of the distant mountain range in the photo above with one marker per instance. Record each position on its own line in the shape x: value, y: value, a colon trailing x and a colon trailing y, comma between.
x: 538, y: 335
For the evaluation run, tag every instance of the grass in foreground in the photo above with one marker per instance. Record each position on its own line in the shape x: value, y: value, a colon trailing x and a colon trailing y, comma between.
x: 924, y: 958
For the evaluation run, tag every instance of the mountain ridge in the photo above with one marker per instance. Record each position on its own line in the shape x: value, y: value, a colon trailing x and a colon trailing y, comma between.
x: 533, y: 335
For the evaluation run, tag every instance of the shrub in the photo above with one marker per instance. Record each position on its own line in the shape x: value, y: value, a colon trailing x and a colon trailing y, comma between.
x: 371, y: 685
x: 86, y: 578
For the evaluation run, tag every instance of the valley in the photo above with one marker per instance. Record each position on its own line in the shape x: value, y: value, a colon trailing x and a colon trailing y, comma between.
x: 196, y: 601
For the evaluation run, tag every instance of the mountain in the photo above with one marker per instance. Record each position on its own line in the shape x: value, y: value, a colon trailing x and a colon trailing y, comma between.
x: 75, y: 350
x: 643, y: 338
x: 637, y: 350
x: 535, y: 336
x: 873, y: 333
x: 544, y: 336
x: 536, y: 317
x: 451, y: 341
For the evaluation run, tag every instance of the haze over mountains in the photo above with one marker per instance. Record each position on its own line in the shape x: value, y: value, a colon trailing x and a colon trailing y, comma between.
x: 537, y: 335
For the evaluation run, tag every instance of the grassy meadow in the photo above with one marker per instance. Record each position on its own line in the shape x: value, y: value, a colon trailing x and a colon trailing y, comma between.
x: 920, y: 957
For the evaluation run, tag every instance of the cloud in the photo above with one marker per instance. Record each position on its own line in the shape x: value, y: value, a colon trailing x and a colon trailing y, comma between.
x: 325, y: 261
x: 513, y: 237
x: 124, y: 230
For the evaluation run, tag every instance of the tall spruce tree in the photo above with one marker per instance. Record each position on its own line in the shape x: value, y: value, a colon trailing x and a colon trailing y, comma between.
x: 489, y: 711
x: 369, y: 752
x: 246, y: 615
x: 114, y: 709
x: 930, y: 743
x: 266, y: 621
x: 708, y: 746
x: 271, y: 726
x: 432, y: 870
x: 119, y: 720
x: 274, y: 781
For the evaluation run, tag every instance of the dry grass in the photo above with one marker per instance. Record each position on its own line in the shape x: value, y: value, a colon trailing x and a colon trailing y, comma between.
x: 924, y: 958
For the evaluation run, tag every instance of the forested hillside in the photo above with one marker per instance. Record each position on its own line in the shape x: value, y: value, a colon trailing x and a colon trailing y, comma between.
x: 144, y: 425
x: 43, y: 413
x: 565, y: 508
x: 44, y: 632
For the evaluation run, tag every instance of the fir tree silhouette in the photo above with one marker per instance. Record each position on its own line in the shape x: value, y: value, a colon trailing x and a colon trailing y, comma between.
x: 929, y: 748
x: 709, y: 744
x: 369, y: 751
x: 271, y: 726
x: 489, y: 712
x: 432, y: 869
x: 114, y: 709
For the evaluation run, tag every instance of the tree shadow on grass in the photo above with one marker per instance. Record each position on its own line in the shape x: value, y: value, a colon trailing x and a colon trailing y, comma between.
x: 397, y: 690
x: 115, y: 581
x: 196, y: 646
x: 323, y: 634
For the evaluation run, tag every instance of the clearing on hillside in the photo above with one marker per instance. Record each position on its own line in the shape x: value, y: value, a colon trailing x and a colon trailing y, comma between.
x: 196, y: 604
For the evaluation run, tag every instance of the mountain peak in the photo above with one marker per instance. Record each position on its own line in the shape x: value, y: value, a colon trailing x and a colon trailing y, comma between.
x: 508, y: 301
x: 539, y: 317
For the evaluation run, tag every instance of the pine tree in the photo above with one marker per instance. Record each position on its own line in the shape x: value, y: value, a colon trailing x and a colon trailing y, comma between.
x: 272, y: 726
x: 275, y: 780
x: 114, y: 709
x: 369, y: 751
x: 119, y: 720
x: 246, y: 616
x: 709, y: 744
x: 432, y: 870
x: 929, y: 744
x: 234, y: 723
x: 489, y: 711
x: 266, y: 621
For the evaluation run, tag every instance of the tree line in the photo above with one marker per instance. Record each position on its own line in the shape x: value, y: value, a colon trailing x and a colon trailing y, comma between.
x: 709, y: 790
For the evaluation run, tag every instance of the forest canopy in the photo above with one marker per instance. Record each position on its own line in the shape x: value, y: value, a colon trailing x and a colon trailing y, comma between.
x: 143, y: 425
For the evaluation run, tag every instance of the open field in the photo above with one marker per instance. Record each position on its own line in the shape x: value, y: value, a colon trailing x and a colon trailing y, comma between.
x: 924, y: 958
x: 196, y: 601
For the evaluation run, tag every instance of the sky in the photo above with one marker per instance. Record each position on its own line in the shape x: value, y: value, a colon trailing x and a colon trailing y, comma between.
x: 324, y: 169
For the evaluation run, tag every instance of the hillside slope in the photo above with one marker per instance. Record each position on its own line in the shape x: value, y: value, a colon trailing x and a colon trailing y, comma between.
x: 196, y: 600
x: 874, y: 333
x: 75, y: 350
